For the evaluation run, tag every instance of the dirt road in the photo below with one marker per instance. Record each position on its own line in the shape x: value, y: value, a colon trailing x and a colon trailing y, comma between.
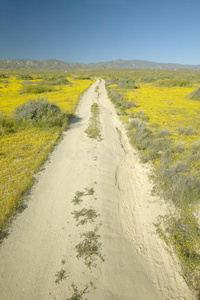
x: 88, y: 229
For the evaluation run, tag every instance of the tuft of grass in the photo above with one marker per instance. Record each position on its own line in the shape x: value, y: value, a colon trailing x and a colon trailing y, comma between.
x: 60, y: 275
x: 163, y: 133
x: 174, y: 82
x: 7, y: 124
x: 128, y: 83
x: 189, y: 130
x: 89, y: 191
x: 24, y: 77
x: 78, y: 295
x: 57, y: 80
x: 181, y: 230
x: 94, y: 128
x: 35, y: 89
x: 195, y: 95
x: 77, y: 198
x: 78, y: 195
x: 4, y: 233
x: 97, y: 89
x: 126, y: 104
x: 88, y: 215
x: 89, y: 248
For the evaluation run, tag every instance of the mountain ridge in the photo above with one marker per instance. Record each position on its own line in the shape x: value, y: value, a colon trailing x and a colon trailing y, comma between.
x: 116, y: 63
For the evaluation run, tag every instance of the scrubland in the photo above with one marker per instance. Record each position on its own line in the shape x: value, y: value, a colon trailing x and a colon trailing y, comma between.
x: 35, y: 108
x: 161, y: 111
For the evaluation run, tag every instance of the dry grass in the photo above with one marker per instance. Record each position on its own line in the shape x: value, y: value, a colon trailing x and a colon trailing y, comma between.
x: 94, y: 128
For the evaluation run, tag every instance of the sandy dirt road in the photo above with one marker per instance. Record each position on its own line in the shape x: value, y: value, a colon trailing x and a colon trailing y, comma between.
x: 126, y: 260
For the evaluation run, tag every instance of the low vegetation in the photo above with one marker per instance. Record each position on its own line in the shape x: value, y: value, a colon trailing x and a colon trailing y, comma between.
x: 35, y: 89
x: 194, y: 95
x: 61, y: 275
x: 161, y: 110
x: 86, y: 215
x: 90, y: 248
x: 40, y: 112
x: 94, y: 128
x: 78, y: 294
x: 174, y: 82
x: 78, y: 198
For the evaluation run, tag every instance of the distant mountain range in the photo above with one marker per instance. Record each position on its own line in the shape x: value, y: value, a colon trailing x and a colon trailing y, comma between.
x: 61, y: 65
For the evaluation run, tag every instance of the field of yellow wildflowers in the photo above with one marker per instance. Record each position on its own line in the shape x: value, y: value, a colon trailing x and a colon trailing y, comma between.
x: 163, y: 122
x: 23, y: 149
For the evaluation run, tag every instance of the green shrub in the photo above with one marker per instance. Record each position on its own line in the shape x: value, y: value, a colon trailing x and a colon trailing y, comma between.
x: 195, y: 95
x: 174, y: 82
x: 35, y: 89
x: 147, y: 79
x: 182, y: 231
x: 127, y: 104
x: 7, y: 124
x: 127, y: 83
x: 163, y: 132
x: 3, y: 76
x: 62, y: 81
x: 59, y: 80
x: 40, y: 112
x: 24, y: 77
x: 141, y: 136
x: 181, y: 130
x: 189, y: 130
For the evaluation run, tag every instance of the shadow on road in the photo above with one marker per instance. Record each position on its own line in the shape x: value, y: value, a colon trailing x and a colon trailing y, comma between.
x: 74, y: 121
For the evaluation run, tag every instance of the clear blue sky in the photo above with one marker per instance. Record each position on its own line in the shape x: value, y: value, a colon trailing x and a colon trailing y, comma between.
x: 101, y: 30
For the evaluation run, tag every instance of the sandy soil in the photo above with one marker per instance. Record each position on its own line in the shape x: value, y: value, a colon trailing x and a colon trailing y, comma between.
x: 132, y: 262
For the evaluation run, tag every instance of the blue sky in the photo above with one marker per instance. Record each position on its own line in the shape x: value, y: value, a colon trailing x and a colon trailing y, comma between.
x: 101, y: 30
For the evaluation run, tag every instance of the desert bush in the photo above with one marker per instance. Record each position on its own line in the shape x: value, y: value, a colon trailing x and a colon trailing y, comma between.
x: 196, y: 148
x: 140, y: 136
x: 182, y: 231
x: 3, y: 76
x: 62, y: 81
x: 94, y: 127
x: 24, y: 77
x: 163, y: 132
x: 7, y: 124
x: 35, y: 89
x: 147, y: 79
x: 30, y: 82
x: 179, y: 148
x: 189, y: 130
x: 59, y: 80
x: 181, y: 130
x: 127, y: 83
x: 141, y: 114
x: 195, y: 95
x: 127, y: 104
x: 84, y: 77
x: 134, y: 123
x: 177, y: 182
x: 40, y: 112
x: 115, y: 97
x: 174, y: 82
